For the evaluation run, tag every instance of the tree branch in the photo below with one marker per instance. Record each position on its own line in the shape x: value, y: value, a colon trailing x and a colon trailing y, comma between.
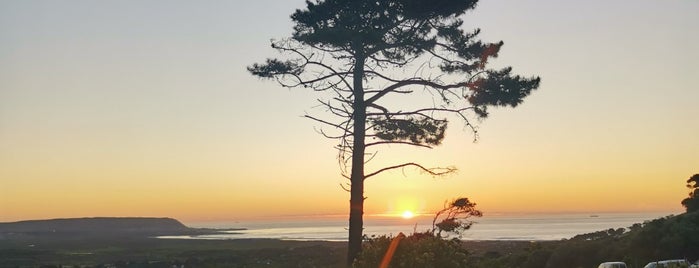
x: 431, y: 171
x: 410, y: 82
x: 397, y: 142
x: 308, y: 61
x: 325, y: 122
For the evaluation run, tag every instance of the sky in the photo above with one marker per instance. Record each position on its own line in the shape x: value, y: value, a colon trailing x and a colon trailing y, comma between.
x: 145, y: 108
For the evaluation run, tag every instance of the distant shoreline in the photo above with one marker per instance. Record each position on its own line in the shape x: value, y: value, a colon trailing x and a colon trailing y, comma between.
x: 553, y: 227
x: 126, y: 247
x: 520, y: 227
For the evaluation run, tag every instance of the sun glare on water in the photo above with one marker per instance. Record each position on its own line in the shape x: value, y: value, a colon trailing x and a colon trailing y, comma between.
x: 407, y: 214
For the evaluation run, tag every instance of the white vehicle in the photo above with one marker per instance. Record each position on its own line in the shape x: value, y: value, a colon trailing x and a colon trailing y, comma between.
x: 613, y: 264
x: 668, y: 264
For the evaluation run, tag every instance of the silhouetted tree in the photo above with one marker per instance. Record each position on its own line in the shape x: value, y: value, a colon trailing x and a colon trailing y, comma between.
x: 691, y: 203
x: 428, y: 248
x: 454, y: 217
x: 360, y: 51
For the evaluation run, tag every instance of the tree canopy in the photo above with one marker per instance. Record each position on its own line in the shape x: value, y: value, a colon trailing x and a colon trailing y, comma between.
x: 359, y: 52
x: 691, y: 203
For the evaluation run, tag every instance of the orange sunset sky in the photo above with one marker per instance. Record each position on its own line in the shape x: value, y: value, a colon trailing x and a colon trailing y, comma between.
x: 132, y: 108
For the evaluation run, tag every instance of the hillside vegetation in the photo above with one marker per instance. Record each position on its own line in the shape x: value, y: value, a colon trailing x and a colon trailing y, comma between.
x: 671, y: 237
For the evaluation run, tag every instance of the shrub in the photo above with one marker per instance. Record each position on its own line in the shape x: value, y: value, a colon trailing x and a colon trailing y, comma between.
x: 416, y: 250
x: 427, y: 249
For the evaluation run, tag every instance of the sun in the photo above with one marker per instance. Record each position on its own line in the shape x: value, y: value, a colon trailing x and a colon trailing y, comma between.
x: 407, y: 214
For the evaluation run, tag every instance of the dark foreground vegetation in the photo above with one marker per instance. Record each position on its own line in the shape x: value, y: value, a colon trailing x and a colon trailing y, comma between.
x: 151, y: 252
x: 131, y: 242
x: 671, y: 237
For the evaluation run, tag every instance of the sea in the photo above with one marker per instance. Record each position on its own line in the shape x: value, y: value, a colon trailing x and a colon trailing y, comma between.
x: 504, y: 226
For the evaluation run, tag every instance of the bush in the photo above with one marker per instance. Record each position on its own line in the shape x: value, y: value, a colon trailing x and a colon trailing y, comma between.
x: 417, y: 250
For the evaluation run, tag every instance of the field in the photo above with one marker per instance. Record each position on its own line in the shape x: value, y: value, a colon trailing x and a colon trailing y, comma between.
x: 151, y: 252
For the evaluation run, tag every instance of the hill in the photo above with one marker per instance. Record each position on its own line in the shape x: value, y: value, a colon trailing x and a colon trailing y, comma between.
x: 97, y: 226
x: 671, y: 237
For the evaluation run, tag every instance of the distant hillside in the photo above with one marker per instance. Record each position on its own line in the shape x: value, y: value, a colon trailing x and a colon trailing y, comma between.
x: 104, y: 226
x: 670, y: 237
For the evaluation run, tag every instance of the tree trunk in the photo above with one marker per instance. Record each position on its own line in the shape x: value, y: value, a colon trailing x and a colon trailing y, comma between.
x: 356, y: 223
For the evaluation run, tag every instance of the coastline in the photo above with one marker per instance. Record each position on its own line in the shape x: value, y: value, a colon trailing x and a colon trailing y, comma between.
x: 522, y: 227
x: 125, y: 248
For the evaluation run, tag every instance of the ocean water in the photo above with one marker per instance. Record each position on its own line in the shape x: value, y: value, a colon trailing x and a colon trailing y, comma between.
x: 525, y: 227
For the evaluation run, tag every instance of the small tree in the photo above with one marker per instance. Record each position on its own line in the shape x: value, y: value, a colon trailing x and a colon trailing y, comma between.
x: 355, y: 50
x: 425, y: 249
x: 691, y: 203
x: 454, y: 217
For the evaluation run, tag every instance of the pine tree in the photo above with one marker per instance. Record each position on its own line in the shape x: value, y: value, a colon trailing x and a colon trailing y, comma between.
x: 351, y: 50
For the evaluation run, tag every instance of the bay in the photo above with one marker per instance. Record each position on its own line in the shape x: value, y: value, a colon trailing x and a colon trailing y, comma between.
x: 520, y: 227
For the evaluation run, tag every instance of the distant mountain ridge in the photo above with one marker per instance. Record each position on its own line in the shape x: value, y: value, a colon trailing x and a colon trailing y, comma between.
x: 102, y: 225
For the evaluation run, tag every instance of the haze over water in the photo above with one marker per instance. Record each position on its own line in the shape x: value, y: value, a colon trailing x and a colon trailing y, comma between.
x: 527, y: 227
